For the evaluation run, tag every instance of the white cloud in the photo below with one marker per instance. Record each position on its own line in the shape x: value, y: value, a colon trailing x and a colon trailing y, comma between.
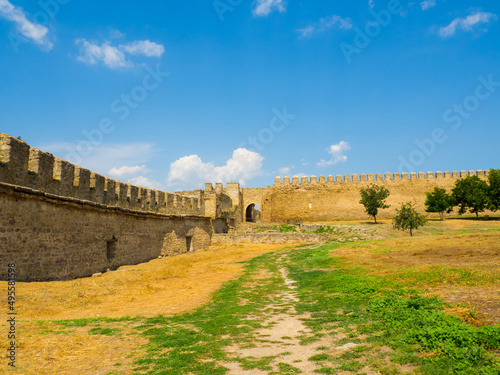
x: 427, y: 4
x: 337, y: 152
x: 144, y: 47
x: 335, y: 22
x: 306, y: 32
x: 145, y: 182
x: 284, y: 170
x: 114, y: 57
x: 326, y: 23
x: 371, y: 4
x: 262, y: 8
x: 116, y: 34
x: 190, y: 172
x: 466, y: 24
x: 127, y: 171
x: 32, y: 31
x: 111, y: 56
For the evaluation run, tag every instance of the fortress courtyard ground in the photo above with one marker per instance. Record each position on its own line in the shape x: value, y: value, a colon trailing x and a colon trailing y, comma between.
x: 181, y: 284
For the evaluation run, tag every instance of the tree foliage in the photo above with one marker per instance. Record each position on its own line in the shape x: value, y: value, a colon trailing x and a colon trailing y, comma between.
x: 373, y: 198
x: 439, y: 201
x: 471, y: 193
x: 407, y: 217
x: 494, y: 189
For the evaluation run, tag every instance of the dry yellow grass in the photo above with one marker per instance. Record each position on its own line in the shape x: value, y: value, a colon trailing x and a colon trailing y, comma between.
x: 162, y: 286
x: 165, y: 286
x: 446, y: 257
x: 73, y: 352
x: 479, y: 251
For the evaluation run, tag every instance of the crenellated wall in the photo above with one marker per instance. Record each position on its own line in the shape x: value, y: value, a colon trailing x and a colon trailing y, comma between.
x: 330, y: 198
x: 60, y: 221
x: 377, y: 177
x: 29, y: 167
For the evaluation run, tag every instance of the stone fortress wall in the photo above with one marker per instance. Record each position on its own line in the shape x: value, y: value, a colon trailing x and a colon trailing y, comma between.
x: 60, y: 221
x: 332, y: 199
x: 329, y: 199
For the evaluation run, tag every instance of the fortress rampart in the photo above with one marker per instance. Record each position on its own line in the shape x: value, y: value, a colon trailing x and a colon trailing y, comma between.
x: 330, y: 198
x: 60, y: 221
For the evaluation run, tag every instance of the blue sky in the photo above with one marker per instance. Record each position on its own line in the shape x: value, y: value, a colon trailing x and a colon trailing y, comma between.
x: 177, y: 93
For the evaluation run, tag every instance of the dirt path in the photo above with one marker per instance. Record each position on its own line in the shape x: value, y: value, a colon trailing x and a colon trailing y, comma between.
x: 281, y: 337
x: 284, y: 344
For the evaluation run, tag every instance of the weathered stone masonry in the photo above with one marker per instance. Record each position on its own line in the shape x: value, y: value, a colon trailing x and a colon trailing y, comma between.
x: 329, y: 198
x: 60, y: 221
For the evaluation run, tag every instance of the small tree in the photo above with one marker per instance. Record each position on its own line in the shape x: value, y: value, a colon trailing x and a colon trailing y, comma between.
x: 373, y: 197
x: 439, y: 201
x: 471, y: 193
x: 407, y: 217
x: 494, y: 189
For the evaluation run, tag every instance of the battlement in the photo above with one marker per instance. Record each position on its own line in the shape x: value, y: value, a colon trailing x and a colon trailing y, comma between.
x: 313, y: 180
x: 24, y: 166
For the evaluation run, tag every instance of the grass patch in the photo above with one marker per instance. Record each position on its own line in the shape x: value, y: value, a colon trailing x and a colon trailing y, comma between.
x: 326, y: 370
x: 91, y: 321
x: 285, y: 228
x: 320, y: 357
x: 104, y: 331
x: 285, y: 369
x: 326, y: 229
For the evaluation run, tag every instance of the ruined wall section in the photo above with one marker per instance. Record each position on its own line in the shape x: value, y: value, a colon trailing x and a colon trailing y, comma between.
x: 216, y: 202
x: 29, y: 167
x: 329, y: 198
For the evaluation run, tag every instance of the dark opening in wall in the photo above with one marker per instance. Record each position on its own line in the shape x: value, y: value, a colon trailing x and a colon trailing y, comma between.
x: 252, y: 214
x: 111, y: 248
x: 189, y: 241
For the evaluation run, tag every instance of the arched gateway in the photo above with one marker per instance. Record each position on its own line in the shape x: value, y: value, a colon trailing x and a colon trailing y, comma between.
x: 252, y: 213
